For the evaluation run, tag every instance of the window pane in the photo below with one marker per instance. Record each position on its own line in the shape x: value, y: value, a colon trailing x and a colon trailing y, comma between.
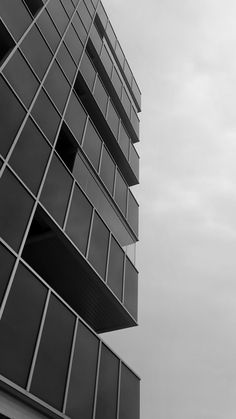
x: 67, y: 147
x: 102, y: 15
x: 111, y: 35
x: 57, y: 86
x: 21, y: 78
x: 34, y: 6
x: 98, y: 245
x: 68, y: 5
x: 11, y: 116
x: 100, y: 96
x: 128, y: 72
x: 83, y: 375
x: 7, y: 262
x: 87, y: 70
x: 131, y: 288
x: 66, y: 62
x: 124, y: 141
x: 129, y: 395
x: 19, y: 326
x: 75, y: 117
x: 6, y: 42
x: 115, y: 268
x: 73, y: 43
x: 126, y: 102
x: 84, y: 15
x: 48, y: 29
x: 96, y: 39
x: 121, y: 193
x: 36, y: 51
x: 51, y: 366
x: 56, y: 190
x: 46, y: 115
x: 117, y: 82
x: 30, y: 156
x: 133, y: 212
x: 107, y: 385
x: 90, y: 7
x: 79, y: 27
x: 107, y: 171
x: 134, y: 160
x: 112, y: 119
x: 120, y: 54
x: 58, y: 15
x: 79, y: 219
x: 15, y: 212
x: 106, y: 60
x: 135, y: 121
x: 92, y: 144
x: 16, y: 16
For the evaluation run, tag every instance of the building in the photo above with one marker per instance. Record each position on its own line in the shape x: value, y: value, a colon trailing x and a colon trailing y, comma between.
x: 68, y: 218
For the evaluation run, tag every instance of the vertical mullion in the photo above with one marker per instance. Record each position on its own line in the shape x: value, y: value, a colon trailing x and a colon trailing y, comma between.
x: 69, y: 205
x: 90, y: 233
x: 118, y: 391
x: 96, y: 381
x: 123, y: 284
x: 108, y: 256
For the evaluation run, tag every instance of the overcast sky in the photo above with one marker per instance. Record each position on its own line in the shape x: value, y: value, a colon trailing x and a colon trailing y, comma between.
x: 183, y: 53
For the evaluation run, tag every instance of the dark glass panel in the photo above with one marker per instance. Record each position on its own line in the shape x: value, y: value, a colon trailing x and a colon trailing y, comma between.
x: 120, y: 54
x: 67, y: 147
x: 87, y: 70
x: 102, y: 15
x: 107, y: 171
x: 96, y: 39
x: 115, y: 268
x: 48, y: 29
x: 124, y: 140
x: 121, y: 193
x: 136, y: 91
x: 16, y: 16
x: 15, y: 212
x: 112, y: 119
x: 84, y: 15
x: 129, y: 395
x: 21, y: 78
x: 57, y: 86
x: 7, y: 262
x: 11, y: 116
x: 34, y: 6
x: 131, y: 288
x: 49, y: 378
x: 66, y: 62
x: 133, y: 212
x: 126, y: 102
x: 46, y: 115
x: 117, y: 83
x: 128, y: 72
x: 75, y: 117
x: 135, y: 121
x: 99, y: 245
x: 100, y: 95
x: 83, y: 375
x: 6, y: 42
x: 106, y: 60
x: 69, y: 7
x: 36, y: 51
x: 56, y: 190
x: 19, y: 326
x: 73, y: 43
x: 58, y: 15
x: 92, y: 144
x: 79, y: 27
x: 111, y: 35
x: 134, y: 160
x: 107, y: 385
x: 79, y: 219
x: 30, y: 156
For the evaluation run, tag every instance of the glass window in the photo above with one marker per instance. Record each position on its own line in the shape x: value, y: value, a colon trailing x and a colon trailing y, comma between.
x: 96, y: 39
x: 19, y: 326
x: 79, y: 219
x: 131, y: 288
x: 83, y: 375
x: 134, y: 160
x: 34, y: 6
x: 68, y: 5
x: 57, y: 86
x: 128, y: 72
x: 115, y: 268
x: 124, y: 140
x: 16, y: 17
x: 11, y: 116
x: 126, y: 102
x: 107, y: 171
x: 106, y: 60
x: 21, y: 78
x: 48, y: 29
x: 84, y: 15
x: 81, y: 172
x: 73, y: 43
x: 111, y: 35
x: 112, y: 119
x: 87, y: 70
x: 36, y: 51
x: 99, y: 245
x: 58, y: 15
x: 79, y: 27
x: 75, y: 117
x: 15, y: 212
x: 100, y: 95
x: 7, y: 262
x: 90, y: 7
x: 136, y: 91
x: 120, y: 54
x: 135, y: 121
x: 92, y: 144
x: 102, y: 15
x: 6, y: 42
x: 67, y: 147
x: 30, y: 156
x: 49, y: 378
x: 117, y: 83
x: 133, y: 212
x: 46, y: 115
x: 129, y: 395
x: 56, y: 190
x: 66, y: 62
x: 107, y: 385
x: 121, y: 192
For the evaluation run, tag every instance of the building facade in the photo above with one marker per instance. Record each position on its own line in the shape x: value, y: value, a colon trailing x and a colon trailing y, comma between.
x: 69, y: 107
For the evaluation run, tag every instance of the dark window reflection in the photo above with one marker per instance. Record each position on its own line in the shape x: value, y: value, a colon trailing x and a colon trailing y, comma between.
x: 16, y: 16
x: 67, y: 147
x: 92, y: 144
x: 34, y: 6
x: 83, y: 375
x: 115, y: 268
x: 98, y: 245
x: 19, y: 326
x: 6, y: 42
x: 7, y: 262
x: 129, y: 395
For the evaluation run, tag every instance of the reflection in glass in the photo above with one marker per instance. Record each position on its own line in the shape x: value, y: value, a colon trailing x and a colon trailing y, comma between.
x: 115, y: 268
x: 131, y: 288
x: 7, y: 262
x: 75, y: 117
x: 129, y: 394
x: 92, y: 144
x: 98, y: 245
x: 121, y: 192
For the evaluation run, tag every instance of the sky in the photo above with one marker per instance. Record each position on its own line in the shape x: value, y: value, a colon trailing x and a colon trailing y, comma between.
x: 183, y: 54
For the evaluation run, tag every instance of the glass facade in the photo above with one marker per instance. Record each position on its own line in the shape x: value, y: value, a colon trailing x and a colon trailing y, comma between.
x: 69, y: 122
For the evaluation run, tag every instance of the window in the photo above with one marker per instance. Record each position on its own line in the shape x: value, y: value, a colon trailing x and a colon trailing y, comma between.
x: 133, y: 212
x: 99, y: 245
x: 67, y: 147
x: 66, y: 62
x: 107, y: 171
x: 121, y: 193
x: 48, y: 29
x: 126, y: 102
x: 34, y: 6
x: 75, y: 117
x: 92, y: 144
x: 6, y: 42
x: 73, y: 43
x: 115, y: 268
x: 87, y: 70
x: 58, y: 15
x: 102, y: 15
x: 84, y: 15
x: 100, y: 95
x: 112, y: 119
x: 7, y: 262
x: 106, y: 60
x: 116, y: 82
x: 129, y: 394
x: 96, y: 39
x: 111, y: 35
x: 79, y: 27
x: 16, y: 16
x: 131, y: 288
x: 68, y: 5
x: 124, y: 140
x: 57, y: 86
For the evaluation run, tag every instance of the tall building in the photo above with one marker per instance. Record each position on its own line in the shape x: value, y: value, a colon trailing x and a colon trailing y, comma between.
x: 68, y: 218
